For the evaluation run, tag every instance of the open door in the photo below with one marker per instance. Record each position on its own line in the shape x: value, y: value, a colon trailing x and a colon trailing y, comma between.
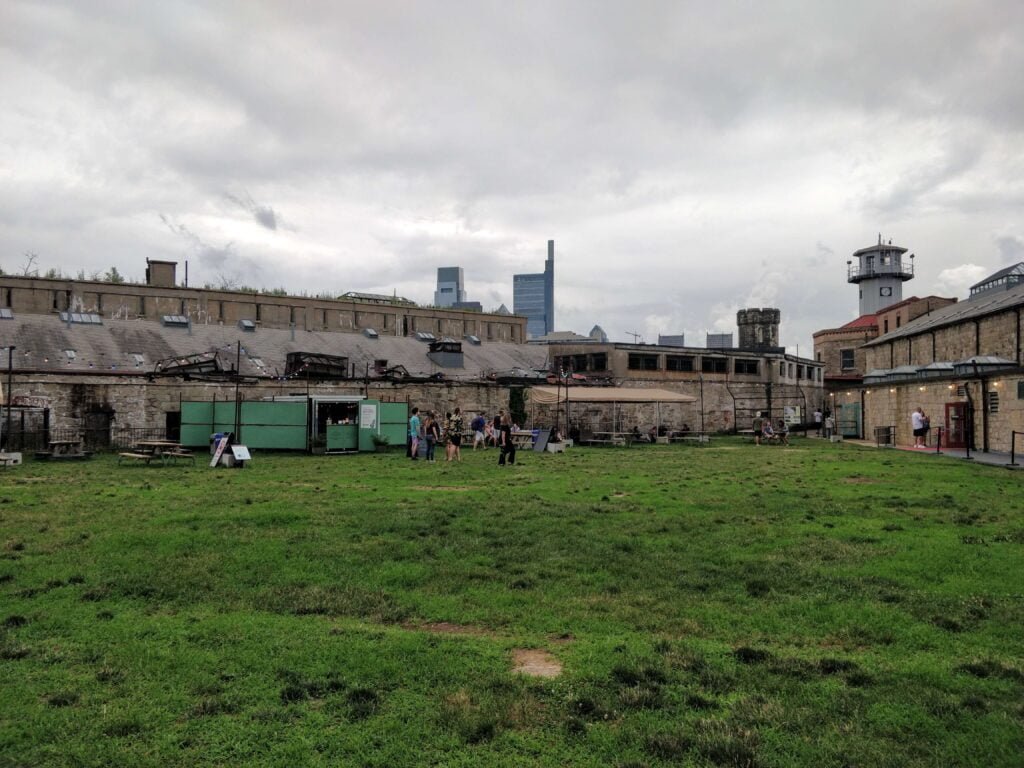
x: 956, y: 425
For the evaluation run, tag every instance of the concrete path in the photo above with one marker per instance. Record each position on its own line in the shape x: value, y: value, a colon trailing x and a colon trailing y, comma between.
x: 995, y: 458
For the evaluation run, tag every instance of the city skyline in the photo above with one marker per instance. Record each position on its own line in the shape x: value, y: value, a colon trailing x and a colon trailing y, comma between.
x: 690, y: 160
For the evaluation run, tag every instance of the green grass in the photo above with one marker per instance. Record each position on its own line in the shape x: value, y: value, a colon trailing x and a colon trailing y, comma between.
x: 821, y: 605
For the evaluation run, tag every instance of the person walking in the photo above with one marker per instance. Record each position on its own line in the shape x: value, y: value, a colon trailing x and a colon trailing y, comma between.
x: 817, y: 420
x: 477, y: 425
x: 917, y: 427
x: 414, y: 434
x: 508, y: 447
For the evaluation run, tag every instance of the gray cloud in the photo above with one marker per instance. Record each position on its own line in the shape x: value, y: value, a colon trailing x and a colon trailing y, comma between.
x: 264, y: 215
x: 687, y: 158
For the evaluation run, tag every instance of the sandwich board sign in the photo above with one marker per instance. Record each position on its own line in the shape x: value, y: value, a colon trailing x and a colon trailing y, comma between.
x: 221, y: 445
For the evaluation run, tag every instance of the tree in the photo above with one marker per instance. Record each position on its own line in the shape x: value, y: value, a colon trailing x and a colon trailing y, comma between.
x: 30, y: 267
x: 113, y: 276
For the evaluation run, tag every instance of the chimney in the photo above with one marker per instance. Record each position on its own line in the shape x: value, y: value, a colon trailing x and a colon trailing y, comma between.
x: 161, y: 274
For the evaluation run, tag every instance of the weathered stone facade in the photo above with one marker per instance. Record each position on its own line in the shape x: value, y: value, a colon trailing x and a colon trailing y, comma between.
x: 135, y: 402
x: 35, y: 295
x: 993, y: 418
x: 997, y: 334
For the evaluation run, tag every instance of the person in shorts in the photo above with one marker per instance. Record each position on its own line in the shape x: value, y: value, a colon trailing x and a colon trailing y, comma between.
x: 917, y: 427
x: 454, y: 434
x: 477, y: 425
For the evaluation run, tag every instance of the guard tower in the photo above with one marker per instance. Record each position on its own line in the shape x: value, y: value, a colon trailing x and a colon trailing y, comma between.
x: 759, y: 328
x: 880, y: 271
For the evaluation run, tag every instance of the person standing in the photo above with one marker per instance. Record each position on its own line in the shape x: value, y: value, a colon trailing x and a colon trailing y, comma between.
x: 917, y: 426
x: 508, y: 447
x: 414, y: 434
x: 817, y: 420
x: 454, y: 431
x: 432, y: 434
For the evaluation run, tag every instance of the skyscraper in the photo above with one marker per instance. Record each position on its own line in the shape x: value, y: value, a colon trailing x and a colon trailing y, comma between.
x: 450, y: 287
x: 534, y: 296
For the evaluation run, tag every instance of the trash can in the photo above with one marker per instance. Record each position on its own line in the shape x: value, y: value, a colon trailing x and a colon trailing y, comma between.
x: 214, y: 439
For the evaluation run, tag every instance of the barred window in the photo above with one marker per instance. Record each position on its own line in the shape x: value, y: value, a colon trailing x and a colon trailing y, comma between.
x: 678, y: 363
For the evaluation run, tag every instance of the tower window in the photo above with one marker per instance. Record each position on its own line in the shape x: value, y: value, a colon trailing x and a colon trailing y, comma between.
x: 846, y: 360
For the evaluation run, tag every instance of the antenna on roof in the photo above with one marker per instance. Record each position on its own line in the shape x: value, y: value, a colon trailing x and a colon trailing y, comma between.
x: 635, y: 335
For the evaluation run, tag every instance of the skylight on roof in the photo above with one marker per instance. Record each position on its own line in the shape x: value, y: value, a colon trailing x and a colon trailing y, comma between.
x: 138, y: 359
x: 175, y: 320
x: 424, y: 336
x: 83, y: 318
x: 6, y: 313
x: 370, y: 333
x: 247, y: 325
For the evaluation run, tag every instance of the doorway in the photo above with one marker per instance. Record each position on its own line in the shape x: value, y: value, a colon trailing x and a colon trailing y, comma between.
x: 956, y: 425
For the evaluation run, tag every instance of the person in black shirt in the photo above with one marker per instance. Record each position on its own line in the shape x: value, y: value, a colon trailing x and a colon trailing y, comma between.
x: 508, y: 448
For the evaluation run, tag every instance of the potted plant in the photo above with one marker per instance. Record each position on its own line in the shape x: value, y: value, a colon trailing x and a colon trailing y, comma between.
x: 380, y: 442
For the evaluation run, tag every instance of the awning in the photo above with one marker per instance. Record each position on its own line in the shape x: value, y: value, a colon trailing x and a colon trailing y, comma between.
x: 552, y: 395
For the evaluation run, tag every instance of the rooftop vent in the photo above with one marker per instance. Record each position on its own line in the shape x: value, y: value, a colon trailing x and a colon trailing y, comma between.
x: 84, y: 318
x: 6, y: 313
x: 247, y: 325
x: 425, y: 336
x: 138, y: 359
x: 473, y: 339
x: 175, y: 320
x: 70, y: 354
x: 370, y: 333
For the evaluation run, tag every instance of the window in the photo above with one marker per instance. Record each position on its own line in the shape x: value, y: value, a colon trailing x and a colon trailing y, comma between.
x: 992, y: 398
x: 1020, y: 389
x: 220, y: 310
x: 638, y: 362
x: 747, y: 367
x: 782, y: 370
x: 259, y: 313
x: 817, y: 356
x: 885, y: 291
x: 846, y: 361
x: 7, y: 298
x: 897, y: 321
x: 885, y: 325
x: 599, y: 362
x: 713, y: 365
x: 678, y: 363
x: 799, y: 372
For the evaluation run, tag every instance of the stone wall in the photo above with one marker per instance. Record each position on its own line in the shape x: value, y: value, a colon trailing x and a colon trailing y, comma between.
x: 137, y: 403
x: 130, y: 301
x: 892, y: 405
x: 997, y: 334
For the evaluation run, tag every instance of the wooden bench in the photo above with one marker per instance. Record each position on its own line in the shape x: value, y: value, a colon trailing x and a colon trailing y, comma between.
x: 180, y: 453
x: 145, y: 457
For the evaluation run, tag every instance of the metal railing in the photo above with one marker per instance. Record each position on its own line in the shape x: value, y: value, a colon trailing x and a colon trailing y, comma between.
x: 114, y: 439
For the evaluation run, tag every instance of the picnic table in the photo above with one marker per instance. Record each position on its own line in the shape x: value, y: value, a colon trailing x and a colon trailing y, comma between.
x: 63, y: 449
x: 522, y: 439
x: 147, y: 451
x: 610, y: 438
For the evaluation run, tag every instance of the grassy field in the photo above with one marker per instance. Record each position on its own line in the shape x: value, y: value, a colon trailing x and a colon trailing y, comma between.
x: 819, y: 605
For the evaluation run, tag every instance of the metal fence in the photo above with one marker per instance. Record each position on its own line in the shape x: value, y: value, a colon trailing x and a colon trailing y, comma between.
x: 113, y: 439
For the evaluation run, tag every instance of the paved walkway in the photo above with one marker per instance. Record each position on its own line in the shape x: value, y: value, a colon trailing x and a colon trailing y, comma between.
x: 995, y: 458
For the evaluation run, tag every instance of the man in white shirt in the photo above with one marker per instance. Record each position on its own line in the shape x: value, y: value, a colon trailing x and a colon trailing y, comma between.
x: 917, y: 424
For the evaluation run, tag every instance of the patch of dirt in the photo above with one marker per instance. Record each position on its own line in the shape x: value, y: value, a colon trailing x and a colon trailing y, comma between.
x: 535, y: 662
x: 563, y: 639
x: 447, y: 628
x: 441, y: 488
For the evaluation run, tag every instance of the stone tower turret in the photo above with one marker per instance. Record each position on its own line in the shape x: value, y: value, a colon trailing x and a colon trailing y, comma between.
x: 759, y: 328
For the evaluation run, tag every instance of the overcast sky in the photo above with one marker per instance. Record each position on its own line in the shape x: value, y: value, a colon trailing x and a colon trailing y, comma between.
x: 688, y: 159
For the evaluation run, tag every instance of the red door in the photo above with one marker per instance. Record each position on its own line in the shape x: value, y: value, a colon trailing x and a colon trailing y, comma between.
x: 956, y: 425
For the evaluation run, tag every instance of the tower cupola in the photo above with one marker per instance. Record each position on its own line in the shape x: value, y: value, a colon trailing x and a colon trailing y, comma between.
x: 880, y: 271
